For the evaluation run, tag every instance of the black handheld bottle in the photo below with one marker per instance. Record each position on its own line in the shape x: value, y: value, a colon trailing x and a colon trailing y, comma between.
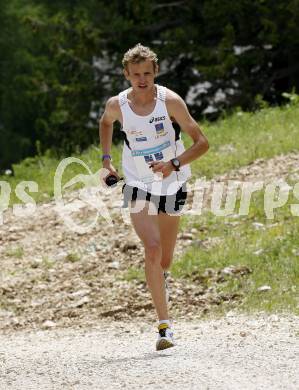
x: 111, y: 180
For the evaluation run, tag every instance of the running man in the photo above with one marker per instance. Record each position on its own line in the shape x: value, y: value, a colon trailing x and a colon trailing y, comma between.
x: 155, y: 166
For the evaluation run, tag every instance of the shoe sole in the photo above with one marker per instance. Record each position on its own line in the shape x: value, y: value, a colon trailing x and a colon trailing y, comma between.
x: 163, y: 344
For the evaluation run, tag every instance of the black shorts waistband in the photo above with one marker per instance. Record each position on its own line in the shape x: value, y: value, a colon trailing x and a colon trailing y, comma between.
x: 169, y: 204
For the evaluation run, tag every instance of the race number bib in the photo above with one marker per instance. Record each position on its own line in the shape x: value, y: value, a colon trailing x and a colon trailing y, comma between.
x: 143, y: 158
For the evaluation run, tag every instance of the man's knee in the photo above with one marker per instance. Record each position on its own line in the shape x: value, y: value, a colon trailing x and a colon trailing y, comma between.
x: 153, y: 251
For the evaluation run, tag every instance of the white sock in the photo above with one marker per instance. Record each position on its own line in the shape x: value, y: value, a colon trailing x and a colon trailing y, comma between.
x: 165, y: 322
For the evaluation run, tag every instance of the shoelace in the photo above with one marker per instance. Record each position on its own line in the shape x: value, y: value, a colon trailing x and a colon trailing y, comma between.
x: 162, y: 332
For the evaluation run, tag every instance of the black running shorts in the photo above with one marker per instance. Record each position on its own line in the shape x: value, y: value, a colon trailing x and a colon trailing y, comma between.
x: 170, y: 204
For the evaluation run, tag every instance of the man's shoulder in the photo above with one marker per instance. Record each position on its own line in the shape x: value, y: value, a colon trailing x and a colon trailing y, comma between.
x: 113, y: 103
x: 112, y: 110
x: 172, y: 98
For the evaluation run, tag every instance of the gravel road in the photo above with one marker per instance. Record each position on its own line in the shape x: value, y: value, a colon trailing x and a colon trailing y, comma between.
x: 234, y: 352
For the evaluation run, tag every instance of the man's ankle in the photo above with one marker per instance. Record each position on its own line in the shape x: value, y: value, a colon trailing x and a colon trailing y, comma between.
x: 167, y: 321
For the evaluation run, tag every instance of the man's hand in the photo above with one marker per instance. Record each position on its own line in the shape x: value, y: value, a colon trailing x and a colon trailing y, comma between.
x: 164, y: 167
x: 112, y: 171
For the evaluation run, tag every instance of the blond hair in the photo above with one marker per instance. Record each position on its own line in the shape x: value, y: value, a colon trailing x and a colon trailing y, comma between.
x: 139, y: 53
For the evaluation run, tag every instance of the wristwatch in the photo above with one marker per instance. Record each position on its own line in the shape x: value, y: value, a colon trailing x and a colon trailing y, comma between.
x: 176, y: 163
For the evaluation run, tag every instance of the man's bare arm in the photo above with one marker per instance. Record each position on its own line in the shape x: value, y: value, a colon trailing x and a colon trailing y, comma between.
x: 111, y: 114
x: 178, y: 110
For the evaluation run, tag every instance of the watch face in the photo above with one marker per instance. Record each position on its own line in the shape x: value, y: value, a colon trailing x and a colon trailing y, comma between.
x: 176, y: 162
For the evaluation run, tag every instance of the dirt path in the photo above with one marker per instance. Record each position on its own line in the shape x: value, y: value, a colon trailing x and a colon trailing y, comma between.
x: 235, y: 352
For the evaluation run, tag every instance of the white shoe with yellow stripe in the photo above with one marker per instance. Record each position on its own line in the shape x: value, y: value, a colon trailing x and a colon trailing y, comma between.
x: 165, y: 337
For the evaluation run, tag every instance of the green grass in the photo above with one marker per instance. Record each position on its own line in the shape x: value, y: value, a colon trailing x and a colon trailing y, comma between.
x: 239, y: 139
x: 47, y: 262
x: 275, y: 263
x: 72, y: 257
x: 134, y: 273
x: 41, y: 169
x: 17, y: 252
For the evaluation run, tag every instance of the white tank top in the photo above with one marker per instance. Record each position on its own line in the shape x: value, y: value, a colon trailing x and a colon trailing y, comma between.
x: 150, y: 138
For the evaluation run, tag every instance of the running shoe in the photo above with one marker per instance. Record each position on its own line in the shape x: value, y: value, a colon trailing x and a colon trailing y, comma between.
x: 165, y: 337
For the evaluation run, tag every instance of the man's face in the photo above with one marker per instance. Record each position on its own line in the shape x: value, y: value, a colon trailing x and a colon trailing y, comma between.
x: 142, y: 75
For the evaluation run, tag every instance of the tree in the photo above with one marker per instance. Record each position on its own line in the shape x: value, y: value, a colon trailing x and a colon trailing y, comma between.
x: 63, y: 60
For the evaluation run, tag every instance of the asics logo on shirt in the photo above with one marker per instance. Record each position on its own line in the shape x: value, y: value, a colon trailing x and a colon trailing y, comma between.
x: 158, y: 119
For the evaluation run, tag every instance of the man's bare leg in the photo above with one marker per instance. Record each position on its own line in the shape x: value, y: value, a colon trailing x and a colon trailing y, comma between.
x: 169, y: 227
x: 147, y: 229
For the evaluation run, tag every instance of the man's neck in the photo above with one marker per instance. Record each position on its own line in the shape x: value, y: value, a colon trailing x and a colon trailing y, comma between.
x: 142, y: 97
